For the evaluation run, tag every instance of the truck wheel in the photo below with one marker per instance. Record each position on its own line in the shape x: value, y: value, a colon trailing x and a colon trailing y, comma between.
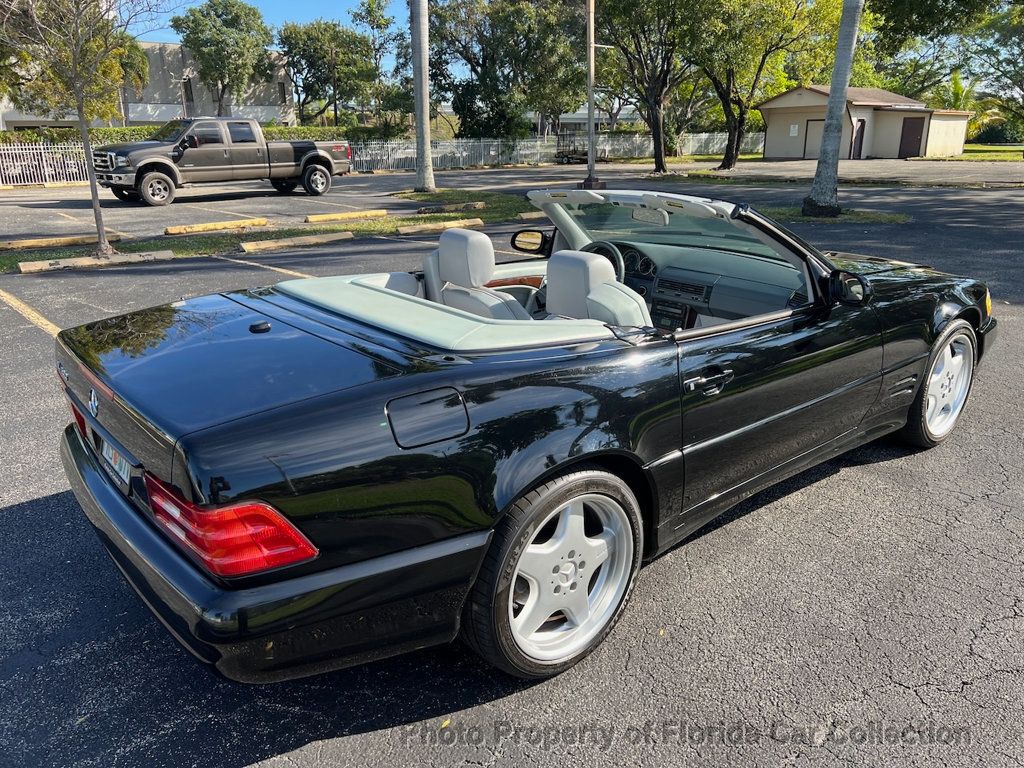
x: 316, y: 180
x: 284, y: 187
x: 125, y: 195
x: 557, y: 576
x: 156, y: 188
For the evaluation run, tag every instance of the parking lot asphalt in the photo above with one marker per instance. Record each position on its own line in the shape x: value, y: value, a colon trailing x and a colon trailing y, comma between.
x: 812, y: 625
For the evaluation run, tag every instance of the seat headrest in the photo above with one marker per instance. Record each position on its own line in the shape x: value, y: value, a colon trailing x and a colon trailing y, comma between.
x: 572, y: 275
x: 465, y: 258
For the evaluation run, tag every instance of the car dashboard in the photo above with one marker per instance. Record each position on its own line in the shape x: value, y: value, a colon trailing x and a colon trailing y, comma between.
x: 690, y: 286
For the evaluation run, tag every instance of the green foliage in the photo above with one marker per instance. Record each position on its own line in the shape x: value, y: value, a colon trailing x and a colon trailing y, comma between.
x: 229, y: 42
x: 1000, y: 60
x: 1008, y: 132
x: 962, y: 95
x: 495, y: 59
x: 322, y: 54
x: 901, y: 21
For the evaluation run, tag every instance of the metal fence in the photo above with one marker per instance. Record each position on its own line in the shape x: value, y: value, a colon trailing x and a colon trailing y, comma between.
x: 22, y: 164
x: 42, y: 163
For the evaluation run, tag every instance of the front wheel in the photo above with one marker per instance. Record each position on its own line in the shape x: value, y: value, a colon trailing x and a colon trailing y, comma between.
x: 156, y: 188
x: 557, y: 576
x: 946, y: 387
x: 125, y: 195
x: 316, y: 180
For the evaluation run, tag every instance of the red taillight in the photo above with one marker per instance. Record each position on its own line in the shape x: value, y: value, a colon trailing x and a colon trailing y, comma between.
x: 234, y: 540
x: 348, y: 151
x: 79, y: 419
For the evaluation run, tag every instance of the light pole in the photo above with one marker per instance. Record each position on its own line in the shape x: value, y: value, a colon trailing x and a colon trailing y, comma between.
x: 591, y: 182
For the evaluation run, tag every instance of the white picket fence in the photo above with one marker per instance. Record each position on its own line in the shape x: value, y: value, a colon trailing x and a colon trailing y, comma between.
x: 42, y: 163
x: 23, y: 164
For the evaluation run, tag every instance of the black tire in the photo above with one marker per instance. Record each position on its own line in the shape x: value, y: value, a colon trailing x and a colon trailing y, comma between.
x: 486, y: 623
x: 284, y: 187
x: 916, y: 431
x: 316, y: 180
x: 156, y: 188
x: 125, y: 195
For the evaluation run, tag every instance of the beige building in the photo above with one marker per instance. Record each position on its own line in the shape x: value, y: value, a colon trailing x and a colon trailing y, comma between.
x: 175, y: 90
x: 878, y: 123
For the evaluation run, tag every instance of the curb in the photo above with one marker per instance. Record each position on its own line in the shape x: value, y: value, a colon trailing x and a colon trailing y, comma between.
x: 531, y: 215
x: 54, y: 242
x: 29, y: 267
x: 867, y: 182
x: 374, y: 213
x: 452, y: 207
x: 214, y: 226
x: 256, y: 246
x: 440, y: 226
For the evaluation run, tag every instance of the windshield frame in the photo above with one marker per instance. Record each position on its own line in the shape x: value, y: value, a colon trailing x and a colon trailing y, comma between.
x: 183, y: 124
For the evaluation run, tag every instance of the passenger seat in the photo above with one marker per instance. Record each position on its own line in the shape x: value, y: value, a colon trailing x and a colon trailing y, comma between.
x: 458, y: 271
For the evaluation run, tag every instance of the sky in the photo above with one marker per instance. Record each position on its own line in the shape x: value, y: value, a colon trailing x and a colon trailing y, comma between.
x: 276, y: 12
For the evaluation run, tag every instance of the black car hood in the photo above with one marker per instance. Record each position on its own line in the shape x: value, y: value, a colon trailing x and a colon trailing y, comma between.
x: 868, y: 265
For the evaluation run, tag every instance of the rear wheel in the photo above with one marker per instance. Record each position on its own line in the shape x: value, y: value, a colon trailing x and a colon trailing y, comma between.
x: 557, y: 576
x: 284, y: 187
x: 946, y: 387
x: 316, y: 180
x: 156, y: 188
x: 125, y: 195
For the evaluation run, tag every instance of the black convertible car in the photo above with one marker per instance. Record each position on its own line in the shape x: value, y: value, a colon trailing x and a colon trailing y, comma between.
x: 328, y: 471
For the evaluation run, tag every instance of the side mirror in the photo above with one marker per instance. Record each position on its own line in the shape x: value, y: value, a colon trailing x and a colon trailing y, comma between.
x: 531, y: 241
x: 848, y: 288
x: 190, y: 142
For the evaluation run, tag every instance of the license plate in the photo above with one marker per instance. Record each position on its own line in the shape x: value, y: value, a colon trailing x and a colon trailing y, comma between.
x: 116, y: 463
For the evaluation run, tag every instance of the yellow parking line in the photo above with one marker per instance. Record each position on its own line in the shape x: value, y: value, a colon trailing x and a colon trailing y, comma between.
x: 28, y: 313
x: 248, y: 263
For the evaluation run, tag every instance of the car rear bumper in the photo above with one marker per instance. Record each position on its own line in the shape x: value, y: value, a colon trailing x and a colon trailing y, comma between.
x: 296, y: 627
x: 987, y: 334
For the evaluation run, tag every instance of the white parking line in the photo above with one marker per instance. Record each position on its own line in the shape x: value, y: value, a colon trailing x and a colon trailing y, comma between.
x: 221, y: 210
x: 247, y: 263
x: 327, y: 202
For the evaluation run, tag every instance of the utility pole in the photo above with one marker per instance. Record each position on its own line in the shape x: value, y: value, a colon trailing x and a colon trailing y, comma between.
x: 591, y: 182
x: 421, y: 91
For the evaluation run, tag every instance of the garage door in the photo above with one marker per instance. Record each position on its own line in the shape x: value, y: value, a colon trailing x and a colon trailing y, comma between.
x: 812, y: 138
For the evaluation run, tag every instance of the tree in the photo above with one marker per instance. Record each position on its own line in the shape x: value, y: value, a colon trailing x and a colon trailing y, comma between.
x: 999, y: 59
x: 420, y: 49
x: 742, y: 47
x: 327, y: 64
x: 824, y: 197
x: 649, y: 36
x: 135, y: 69
x: 371, y: 16
x: 70, y: 58
x: 229, y: 42
x: 903, y: 20
x: 962, y: 95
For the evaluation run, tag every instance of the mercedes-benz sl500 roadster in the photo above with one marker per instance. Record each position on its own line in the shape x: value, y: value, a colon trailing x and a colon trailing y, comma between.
x: 328, y: 471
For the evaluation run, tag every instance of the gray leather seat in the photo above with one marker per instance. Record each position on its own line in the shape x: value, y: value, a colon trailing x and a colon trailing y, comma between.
x: 457, y: 272
x: 582, y: 285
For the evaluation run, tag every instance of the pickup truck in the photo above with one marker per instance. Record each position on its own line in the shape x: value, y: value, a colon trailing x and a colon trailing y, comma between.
x: 202, y: 150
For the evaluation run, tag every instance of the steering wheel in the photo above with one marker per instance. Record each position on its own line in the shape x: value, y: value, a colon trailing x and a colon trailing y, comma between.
x: 611, y: 251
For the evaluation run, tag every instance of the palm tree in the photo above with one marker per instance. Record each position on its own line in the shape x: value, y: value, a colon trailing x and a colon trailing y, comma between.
x: 420, y: 69
x: 824, y: 197
x: 963, y: 96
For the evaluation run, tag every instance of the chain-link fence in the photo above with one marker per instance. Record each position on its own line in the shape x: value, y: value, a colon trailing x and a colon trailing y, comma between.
x: 50, y: 163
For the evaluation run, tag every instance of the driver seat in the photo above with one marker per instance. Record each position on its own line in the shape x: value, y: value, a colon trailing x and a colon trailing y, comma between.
x: 582, y: 286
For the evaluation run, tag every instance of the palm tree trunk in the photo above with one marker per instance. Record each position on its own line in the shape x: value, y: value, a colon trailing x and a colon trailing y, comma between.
x: 421, y: 88
x: 824, y: 197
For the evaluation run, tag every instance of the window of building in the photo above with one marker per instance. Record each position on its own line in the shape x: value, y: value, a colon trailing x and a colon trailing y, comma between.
x: 207, y: 133
x: 282, y: 92
x: 241, y: 133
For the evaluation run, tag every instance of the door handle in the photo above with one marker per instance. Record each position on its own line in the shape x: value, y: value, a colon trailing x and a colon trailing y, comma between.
x: 225, y: 153
x: 710, y: 382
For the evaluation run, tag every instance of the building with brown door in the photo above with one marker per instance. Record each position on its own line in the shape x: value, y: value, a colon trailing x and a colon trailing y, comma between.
x: 878, y: 123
